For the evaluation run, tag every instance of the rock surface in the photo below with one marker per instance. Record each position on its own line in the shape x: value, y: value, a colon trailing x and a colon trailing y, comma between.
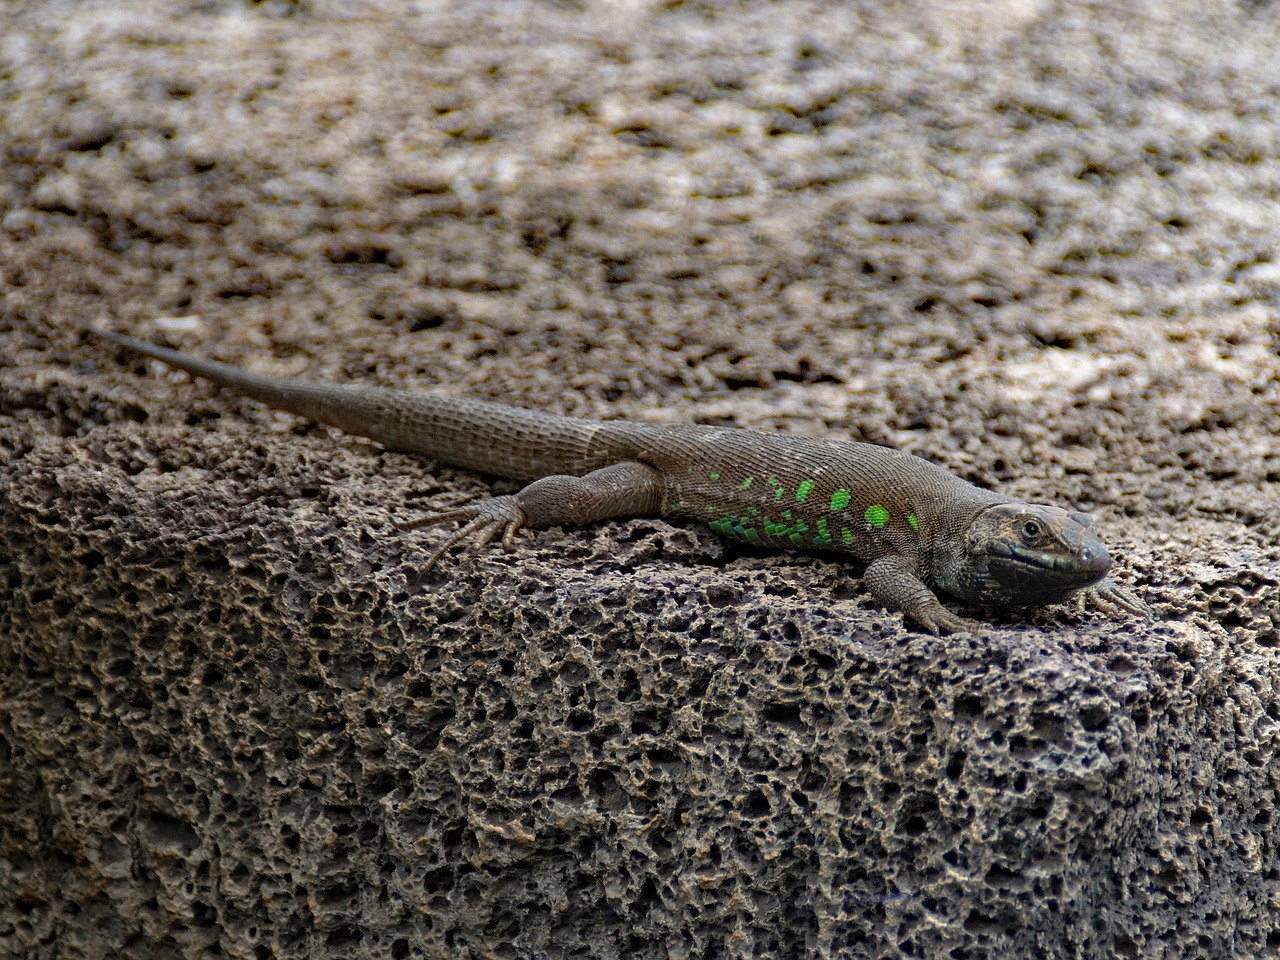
x: 1035, y: 242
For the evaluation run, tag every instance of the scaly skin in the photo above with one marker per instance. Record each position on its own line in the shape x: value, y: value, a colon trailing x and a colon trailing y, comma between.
x: 916, y: 526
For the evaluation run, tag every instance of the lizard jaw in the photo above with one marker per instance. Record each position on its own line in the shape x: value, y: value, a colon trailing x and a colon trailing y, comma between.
x: 1042, y: 572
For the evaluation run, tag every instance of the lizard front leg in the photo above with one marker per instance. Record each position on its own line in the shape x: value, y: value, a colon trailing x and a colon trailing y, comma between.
x: 629, y: 489
x: 895, y: 582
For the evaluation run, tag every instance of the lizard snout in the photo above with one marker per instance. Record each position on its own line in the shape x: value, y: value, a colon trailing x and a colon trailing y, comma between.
x: 1093, y: 558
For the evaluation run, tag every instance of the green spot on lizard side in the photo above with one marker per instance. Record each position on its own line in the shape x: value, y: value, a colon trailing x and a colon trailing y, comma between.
x: 914, y: 521
x: 802, y: 491
x: 840, y: 499
x: 877, y: 516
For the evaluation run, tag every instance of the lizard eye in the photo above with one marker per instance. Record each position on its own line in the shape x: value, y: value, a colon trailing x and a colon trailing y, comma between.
x: 1030, y: 530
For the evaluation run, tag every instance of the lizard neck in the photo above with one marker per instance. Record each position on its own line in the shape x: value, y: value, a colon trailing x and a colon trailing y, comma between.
x: 946, y: 561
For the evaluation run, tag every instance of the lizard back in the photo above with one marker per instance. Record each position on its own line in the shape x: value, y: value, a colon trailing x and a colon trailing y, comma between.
x: 794, y: 492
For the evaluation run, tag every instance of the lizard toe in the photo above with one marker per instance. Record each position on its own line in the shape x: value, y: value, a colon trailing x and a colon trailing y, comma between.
x: 485, y: 522
x: 1115, y: 600
x: 464, y: 512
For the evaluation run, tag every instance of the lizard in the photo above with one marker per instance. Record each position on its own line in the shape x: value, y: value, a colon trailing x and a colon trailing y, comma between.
x: 916, y: 527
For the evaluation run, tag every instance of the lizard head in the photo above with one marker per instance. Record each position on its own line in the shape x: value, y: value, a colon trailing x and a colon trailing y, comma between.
x: 1028, y: 555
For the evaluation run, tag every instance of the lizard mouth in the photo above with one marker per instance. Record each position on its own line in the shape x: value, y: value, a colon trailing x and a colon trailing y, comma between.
x: 1039, y: 571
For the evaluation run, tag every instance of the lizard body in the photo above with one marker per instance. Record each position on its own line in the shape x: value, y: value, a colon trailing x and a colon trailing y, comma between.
x: 918, y: 527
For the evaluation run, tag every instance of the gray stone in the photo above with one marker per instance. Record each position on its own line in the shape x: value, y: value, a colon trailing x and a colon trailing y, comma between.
x: 1030, y: 242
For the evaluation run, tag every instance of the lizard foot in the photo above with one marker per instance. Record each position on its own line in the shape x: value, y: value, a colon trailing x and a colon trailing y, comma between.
x: 1114, y: 600
x: 938, y: 619
x: 895, y: 581
x: 485, y: 522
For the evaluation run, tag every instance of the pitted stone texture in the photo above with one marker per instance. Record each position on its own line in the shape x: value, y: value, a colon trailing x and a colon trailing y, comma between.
x: 1028, y: 241
x: 264, y: 738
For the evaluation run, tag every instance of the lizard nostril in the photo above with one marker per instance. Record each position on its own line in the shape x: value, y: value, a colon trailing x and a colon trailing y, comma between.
x: 1096, y: 557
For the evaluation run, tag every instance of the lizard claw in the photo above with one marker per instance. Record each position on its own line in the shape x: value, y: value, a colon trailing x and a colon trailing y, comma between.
x: 937, y: 619
x: 485, y: 522
x: 1114, y: 600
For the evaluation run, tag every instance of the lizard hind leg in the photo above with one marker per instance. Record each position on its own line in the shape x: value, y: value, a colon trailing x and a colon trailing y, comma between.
x: 628, y: 489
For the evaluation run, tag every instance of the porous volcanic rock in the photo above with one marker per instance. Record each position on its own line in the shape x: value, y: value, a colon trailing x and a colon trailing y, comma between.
x: 1035, y: 242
